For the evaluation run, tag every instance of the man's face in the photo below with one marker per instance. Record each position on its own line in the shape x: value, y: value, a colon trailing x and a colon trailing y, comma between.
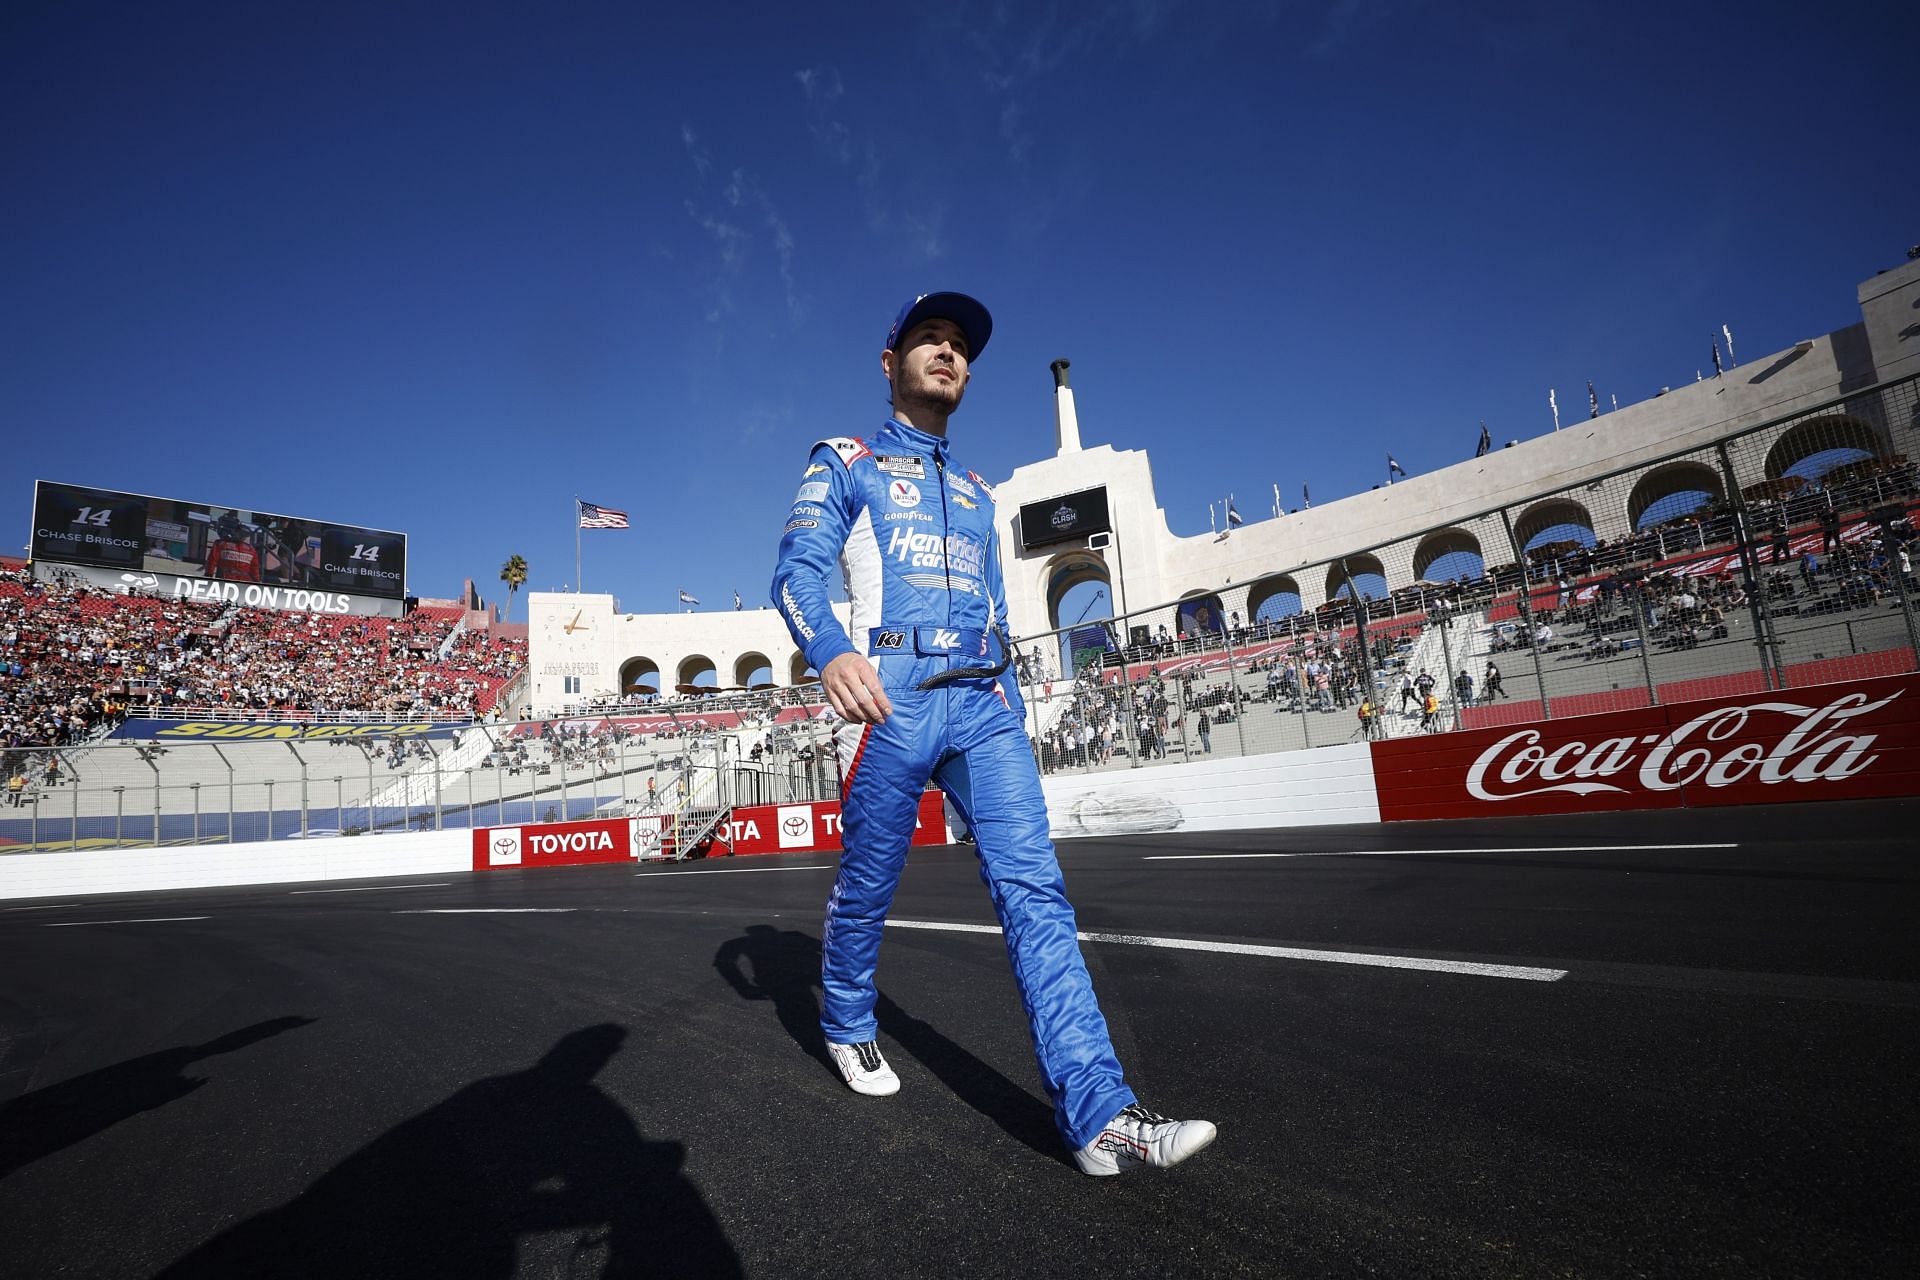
x: 930, y: 366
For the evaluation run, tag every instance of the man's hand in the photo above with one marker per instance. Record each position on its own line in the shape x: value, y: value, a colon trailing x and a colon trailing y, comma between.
x: 853, y: 687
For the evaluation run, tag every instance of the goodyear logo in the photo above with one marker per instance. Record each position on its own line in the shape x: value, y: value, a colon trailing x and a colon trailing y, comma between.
x: 209, y: 731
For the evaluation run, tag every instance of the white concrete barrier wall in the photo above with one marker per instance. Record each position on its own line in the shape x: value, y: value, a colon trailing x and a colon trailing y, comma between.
x: 1322, y: 787
x: 55, y: 875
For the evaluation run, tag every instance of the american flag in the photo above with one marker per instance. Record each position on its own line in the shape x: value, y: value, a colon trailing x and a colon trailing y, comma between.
x: 592, y: 517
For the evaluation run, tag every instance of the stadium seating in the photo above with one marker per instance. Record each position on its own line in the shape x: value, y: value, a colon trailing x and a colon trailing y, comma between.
x: 74, y: 659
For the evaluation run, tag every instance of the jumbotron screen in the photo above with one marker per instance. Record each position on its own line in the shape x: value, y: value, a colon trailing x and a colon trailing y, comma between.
x: 1065, y: 519
x: 106, y: 529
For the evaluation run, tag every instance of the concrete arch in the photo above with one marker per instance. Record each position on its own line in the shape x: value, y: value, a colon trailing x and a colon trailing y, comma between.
x: 1274, y: 590
x: 1364, y: 569
x: 635, y: 673
x: 1848, y: 438
x: 799, y: 672
x: 1553, y: 516
x: 748, y: 665
x: 1658, y: 495
x: 1442, y: 543
x: 1068, y: 570
x: 693, y: 666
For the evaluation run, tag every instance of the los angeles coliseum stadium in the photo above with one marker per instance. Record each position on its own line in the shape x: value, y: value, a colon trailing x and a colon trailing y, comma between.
x: 1741, y: 533
x: 1582, y: 771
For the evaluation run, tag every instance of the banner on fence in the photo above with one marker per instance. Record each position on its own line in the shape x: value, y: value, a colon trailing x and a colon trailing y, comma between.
x: 220, y: 731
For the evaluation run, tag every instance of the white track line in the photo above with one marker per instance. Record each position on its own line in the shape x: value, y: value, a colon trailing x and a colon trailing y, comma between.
x: 372, y: 888
x: 484, y: 911
x: 1378, y: 853
x: 734, y: 871
x: 51, y: 906
x: 1521, y: 972
x: 69, y: 924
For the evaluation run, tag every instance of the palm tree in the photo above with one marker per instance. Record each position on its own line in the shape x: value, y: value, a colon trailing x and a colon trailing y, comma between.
x: 514, y: 574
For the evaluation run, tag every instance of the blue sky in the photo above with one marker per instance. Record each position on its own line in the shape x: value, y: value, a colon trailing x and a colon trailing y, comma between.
x: 440, y: 268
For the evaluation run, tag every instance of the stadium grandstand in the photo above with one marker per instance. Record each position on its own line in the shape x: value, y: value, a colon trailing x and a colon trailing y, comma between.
x: 1746, y: 537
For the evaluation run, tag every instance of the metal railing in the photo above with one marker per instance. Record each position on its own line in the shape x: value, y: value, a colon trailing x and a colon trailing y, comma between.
x: 242, y: 715
x: 122, y: 793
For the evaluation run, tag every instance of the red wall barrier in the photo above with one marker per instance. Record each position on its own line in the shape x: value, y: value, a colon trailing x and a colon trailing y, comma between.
x: 553, y: 844
x: 1829, y: 742
x: 815, y: 827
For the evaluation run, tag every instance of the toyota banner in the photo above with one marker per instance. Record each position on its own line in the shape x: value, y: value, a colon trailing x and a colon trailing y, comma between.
x: 804, y: 827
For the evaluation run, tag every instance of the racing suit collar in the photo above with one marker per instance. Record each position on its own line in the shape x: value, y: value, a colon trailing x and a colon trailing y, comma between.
x: 915, y: 438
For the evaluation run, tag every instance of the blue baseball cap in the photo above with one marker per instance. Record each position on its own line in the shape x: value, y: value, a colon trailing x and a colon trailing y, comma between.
x: 957, y: 307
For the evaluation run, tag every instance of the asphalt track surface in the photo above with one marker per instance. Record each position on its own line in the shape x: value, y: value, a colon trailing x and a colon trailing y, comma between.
x: 1624, y: 1056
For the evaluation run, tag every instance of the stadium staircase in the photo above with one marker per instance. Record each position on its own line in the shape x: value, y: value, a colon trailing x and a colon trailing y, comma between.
x: 423, y: 784
x: 686, y: 824
x: 1443, y: 650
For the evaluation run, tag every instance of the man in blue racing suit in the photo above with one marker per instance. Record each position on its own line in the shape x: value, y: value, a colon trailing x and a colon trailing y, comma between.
x: 919, y: 681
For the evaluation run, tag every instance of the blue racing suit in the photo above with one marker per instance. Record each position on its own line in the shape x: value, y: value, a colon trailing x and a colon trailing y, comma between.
x: 913, y: 536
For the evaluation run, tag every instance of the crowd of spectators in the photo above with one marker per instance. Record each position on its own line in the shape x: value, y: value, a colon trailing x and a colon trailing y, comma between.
x: 68, y: 655
x: 74, y: 660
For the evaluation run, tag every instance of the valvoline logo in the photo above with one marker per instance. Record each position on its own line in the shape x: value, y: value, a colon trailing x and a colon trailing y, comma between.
x: 905, y: 493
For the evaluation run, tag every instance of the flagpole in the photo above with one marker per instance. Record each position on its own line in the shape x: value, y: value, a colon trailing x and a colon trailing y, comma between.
x: 578, y: 586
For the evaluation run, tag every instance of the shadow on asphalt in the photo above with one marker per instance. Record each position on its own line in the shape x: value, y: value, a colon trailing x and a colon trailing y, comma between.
x: 35, y: 1125
x: 450, y: 1191
x: 786, y: 971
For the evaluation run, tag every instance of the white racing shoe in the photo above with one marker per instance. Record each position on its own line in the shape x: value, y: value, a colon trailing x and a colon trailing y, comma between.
x: 1137, y: 1138
x: 864, y: 1070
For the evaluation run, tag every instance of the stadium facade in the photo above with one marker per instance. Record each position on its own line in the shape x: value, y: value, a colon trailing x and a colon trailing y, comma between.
x: 1092, y: 515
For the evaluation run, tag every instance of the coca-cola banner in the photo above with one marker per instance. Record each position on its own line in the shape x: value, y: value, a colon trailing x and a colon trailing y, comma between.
x: 1848, y: 741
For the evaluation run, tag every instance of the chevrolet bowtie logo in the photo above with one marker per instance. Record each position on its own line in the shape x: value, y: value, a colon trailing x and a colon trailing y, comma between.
x: 813, y: 470
x: 576, y: 624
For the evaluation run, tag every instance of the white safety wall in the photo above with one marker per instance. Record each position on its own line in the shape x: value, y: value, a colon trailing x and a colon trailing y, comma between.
x: 1326, y: 786
x: 53, y: 875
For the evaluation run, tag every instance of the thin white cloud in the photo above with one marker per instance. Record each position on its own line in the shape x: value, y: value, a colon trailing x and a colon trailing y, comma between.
x: 928, y: 233
x: 1018, y: 140
x: 823, y: 87
x: 695, y: 152
x: 734, y: 241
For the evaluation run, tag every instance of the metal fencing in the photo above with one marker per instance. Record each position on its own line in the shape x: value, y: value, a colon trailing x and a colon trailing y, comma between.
x: 1774, y: 557
x: 211, y: 790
